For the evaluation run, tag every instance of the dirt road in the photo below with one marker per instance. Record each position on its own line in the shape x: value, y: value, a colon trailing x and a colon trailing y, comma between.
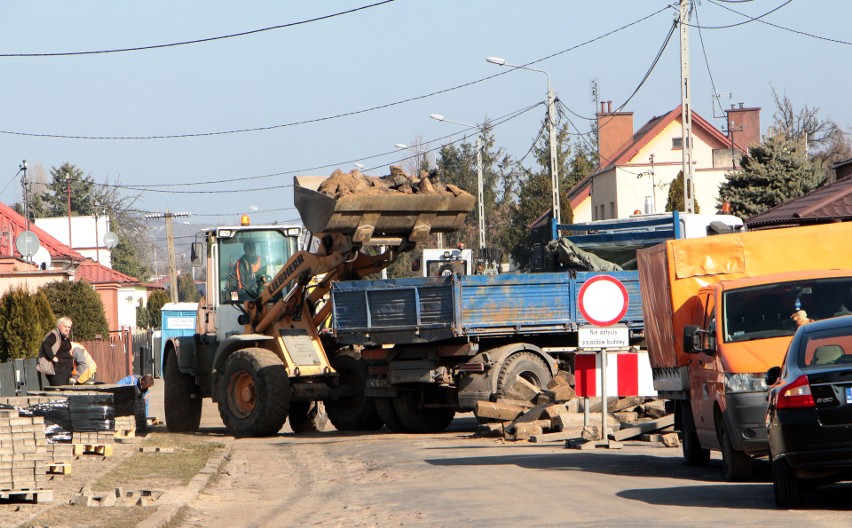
x: 452, y: 479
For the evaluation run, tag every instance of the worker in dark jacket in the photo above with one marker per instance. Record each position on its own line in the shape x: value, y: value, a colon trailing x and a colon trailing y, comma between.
x: 56, y: 348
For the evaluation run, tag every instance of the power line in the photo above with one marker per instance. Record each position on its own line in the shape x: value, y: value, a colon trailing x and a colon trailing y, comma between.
x: 707, y: 62
x: 749, y: 21
x: 196, y: 41
x: 325, y: 118
x: 650, y: 68
x: 836, y: 41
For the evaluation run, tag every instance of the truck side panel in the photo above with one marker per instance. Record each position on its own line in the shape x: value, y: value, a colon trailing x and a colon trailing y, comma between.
x: 657, y: 304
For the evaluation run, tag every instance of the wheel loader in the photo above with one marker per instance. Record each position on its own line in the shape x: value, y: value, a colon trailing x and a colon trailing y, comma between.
x: 259, y: 349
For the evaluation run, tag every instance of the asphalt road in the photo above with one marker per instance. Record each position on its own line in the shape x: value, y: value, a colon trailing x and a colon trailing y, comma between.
x: 453, y: 479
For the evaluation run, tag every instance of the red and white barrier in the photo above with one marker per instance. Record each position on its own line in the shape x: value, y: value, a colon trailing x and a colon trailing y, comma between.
x: 628, y: 374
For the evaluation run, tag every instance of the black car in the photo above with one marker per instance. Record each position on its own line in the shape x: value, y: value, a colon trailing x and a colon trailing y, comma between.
x: 809, y: 418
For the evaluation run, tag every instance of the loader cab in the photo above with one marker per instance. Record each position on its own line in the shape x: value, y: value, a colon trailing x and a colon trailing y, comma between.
x: 226, y: 292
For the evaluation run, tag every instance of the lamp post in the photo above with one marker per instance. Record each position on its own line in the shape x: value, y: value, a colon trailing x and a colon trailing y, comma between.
x: 479, y: 184
x: 551, y: 100
x: 68, y: 191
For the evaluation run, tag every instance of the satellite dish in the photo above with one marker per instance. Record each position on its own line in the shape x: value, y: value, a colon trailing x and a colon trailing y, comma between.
x: 27, y: 244
x: 42, y: 258
x: 110, y: 240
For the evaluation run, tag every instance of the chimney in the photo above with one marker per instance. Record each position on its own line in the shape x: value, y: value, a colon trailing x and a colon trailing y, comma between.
x: 615, y: 131
x: 744, y: 125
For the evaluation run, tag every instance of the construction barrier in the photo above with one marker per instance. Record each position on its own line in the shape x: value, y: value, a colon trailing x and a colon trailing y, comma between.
x: 628, y: 374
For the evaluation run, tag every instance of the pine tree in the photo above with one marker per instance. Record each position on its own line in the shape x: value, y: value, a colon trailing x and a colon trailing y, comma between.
x: 79, y: 301
x: 675, y: 200
x: 776, y: 170
x: 187, y: 292
x: 155, y: 305
x: 142, y: 315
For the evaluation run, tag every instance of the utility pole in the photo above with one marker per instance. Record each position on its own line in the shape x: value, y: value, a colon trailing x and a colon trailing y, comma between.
x: 170, y: 242
x: 97, y: 243
x: 480, y: 191
x: 25, y: 184
x: 68, y: 192
x: 554, y: 166
x: 686, y: 110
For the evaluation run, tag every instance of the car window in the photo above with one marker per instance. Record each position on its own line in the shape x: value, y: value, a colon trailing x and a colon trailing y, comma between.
x: 827, y: 348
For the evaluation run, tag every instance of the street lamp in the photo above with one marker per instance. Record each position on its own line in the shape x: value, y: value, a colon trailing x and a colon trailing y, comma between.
x: 479, y: 185
x: 554, y: 170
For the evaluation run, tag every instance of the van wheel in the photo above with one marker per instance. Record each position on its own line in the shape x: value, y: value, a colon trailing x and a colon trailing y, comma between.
x: 789, y: 489
x: 693, y: 454
x: 737, y: 465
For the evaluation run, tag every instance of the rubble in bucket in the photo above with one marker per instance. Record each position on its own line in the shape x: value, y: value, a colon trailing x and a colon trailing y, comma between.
x: 341, y: 184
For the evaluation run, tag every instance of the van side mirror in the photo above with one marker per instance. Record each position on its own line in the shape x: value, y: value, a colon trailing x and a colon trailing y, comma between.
x: 692, y: 339
x: 772, y: 376
x: 195, y: 253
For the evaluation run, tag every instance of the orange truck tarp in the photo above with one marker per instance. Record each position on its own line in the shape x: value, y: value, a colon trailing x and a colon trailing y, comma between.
x: 671, y: 273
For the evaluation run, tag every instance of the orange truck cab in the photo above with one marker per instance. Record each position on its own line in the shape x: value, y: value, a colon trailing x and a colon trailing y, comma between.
x: 718, y: 316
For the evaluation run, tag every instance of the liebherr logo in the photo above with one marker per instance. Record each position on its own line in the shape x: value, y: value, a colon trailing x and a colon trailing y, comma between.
x: 284, y: 277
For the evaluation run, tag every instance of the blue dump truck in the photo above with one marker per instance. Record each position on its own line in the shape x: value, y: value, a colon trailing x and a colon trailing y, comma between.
x: 437, y: 345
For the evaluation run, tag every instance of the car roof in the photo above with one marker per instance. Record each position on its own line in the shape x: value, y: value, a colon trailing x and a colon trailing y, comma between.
x: 828, y: 324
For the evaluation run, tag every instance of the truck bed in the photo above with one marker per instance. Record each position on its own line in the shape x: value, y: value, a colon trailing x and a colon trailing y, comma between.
x: 430, y: 309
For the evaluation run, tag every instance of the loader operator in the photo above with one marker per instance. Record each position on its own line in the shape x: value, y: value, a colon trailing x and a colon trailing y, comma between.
x: 247, y: 267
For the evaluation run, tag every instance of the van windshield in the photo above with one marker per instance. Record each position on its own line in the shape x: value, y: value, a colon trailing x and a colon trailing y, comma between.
x: 761, y: 312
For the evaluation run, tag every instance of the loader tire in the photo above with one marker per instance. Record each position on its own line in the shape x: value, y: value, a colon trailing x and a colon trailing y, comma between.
x: 181, y: 399
x: 253, y: 393
x: 525, y: 365
x: 419, y: 419
x: 357, y: 412
x: 307, y: 417
x: 387, y: 412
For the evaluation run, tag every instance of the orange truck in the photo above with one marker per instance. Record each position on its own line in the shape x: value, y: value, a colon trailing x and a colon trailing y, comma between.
x: 718, y: 314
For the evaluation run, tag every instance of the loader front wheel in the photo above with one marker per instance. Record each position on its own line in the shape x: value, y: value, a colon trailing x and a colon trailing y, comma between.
x: 253, y: 393
x: 180, y: 398
x: 358, y: 411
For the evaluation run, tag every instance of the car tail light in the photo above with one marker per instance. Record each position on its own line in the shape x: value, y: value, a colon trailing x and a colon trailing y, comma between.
x: 796, y: 395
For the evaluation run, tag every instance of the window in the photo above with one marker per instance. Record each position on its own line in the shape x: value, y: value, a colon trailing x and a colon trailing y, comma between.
x: 677, y: 143
x: 612, y: 209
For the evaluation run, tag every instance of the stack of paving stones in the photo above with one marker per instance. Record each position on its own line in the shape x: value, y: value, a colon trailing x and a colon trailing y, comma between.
x: 125, y: 426
x: 22, y: 457
x: 57, y: 454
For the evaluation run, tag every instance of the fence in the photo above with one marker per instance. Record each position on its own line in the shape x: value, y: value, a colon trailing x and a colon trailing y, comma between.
x: 122, y: 354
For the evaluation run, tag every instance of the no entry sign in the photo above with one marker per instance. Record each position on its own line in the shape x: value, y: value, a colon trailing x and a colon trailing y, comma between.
x: 603, y: 300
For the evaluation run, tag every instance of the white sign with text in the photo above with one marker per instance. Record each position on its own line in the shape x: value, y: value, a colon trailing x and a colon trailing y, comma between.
x: 604, y: 337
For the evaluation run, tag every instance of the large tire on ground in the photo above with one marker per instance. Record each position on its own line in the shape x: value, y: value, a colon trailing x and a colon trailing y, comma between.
x: 253, y: 393
x: 736, y: 464
x: 306, y: 417
x: 417, y: 419
x: 356, y: 412
x: 693, y: 454
x: 526, y: 365
x: 181, y: 399
x: 387, y: 412
x: 789, y: 489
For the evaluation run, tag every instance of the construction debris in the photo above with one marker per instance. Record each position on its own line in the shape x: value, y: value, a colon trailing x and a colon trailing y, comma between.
x: 341, y: 184
x: 525, y: 412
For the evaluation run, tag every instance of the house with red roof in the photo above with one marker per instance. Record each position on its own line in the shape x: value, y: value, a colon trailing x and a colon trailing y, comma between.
x: 636, y: 168
x: 120, y: 293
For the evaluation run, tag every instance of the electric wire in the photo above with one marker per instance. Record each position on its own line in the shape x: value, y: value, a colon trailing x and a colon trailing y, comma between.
x: 196, y: 41
x: 804, y: 33
x: 707, y: 62
x: 324, y: 118
x: 749, y: 21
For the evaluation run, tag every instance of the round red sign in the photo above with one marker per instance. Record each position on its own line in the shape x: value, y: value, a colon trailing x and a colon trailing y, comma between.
x: 603, y: 300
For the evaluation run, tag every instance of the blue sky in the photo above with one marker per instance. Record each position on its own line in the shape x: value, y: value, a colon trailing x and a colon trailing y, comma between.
x: 375, y: 57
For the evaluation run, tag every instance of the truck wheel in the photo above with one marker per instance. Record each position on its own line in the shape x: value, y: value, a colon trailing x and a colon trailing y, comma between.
x: 737, y: 465
x: 693, y: 454
x: 254, y: 393
x: 421, y: 420
x: 387, y: 412
x: 181, y: 400
x: 789, y: 490
x: 307, y: 416
x: 526, y: 365
x: 357, y: 412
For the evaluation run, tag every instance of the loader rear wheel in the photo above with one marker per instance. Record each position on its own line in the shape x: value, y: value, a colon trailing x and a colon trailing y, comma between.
x: 181, y: 400
x: 307, y: 417
x: 253, y: 393
x: 358, y: 411
x: 418, y: 419
x: 387, y: 412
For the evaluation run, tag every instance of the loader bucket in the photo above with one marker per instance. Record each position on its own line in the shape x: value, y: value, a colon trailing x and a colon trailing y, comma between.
x: 366, y: 215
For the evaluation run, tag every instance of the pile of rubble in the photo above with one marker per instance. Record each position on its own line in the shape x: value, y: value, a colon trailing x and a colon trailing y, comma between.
x: 341, y: 184
x: 525, y: 412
